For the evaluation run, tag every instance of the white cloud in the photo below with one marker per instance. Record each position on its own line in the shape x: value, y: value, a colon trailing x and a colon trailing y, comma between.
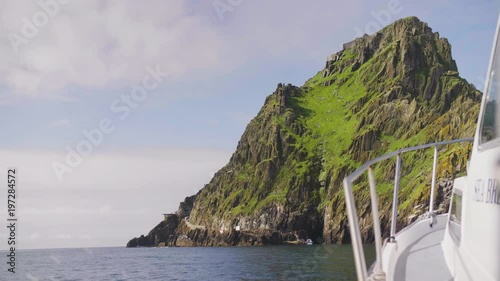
x: 113, y: 194
x: 63, y: 236
x: 118, y: 169
x: 84, y: 237
x: 105, y: 209
x: 99, y: 44
x: 60, y: 123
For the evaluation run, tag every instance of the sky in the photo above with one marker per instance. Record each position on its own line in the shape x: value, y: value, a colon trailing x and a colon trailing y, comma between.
x: 114, y: 111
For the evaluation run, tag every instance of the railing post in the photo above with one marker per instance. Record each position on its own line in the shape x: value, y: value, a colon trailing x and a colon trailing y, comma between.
x: 352, y: 215
x: 433, y: 185
x: 359, y: 257
x: 397, y: 178
x: 376, y: 222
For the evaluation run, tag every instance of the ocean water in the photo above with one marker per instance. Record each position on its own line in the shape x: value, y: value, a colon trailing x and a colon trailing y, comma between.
x: 317, y: 262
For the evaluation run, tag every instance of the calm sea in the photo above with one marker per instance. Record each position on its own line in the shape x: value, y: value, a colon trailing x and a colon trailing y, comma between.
x: 329, y: 262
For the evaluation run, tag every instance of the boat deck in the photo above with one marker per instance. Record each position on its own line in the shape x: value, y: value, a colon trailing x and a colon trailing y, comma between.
x: 423, y: 260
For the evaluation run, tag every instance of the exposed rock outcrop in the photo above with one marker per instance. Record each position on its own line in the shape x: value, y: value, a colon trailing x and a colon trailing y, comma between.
x: 398, y: 87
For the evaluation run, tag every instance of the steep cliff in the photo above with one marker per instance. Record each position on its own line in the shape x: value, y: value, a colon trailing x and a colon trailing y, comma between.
x: 397, y: 88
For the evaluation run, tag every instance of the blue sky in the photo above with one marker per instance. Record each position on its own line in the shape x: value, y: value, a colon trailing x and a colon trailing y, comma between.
x: 221, y: 67
x: 210, y: 107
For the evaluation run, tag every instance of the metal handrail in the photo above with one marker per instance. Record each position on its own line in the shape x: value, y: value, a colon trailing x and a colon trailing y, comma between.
x: 359, y: 256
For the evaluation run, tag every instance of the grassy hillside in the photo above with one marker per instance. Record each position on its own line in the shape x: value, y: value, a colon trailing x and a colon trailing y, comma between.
x: 397, y: 88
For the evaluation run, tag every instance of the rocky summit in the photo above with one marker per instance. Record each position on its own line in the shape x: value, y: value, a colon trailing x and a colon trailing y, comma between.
x: 396, y: 88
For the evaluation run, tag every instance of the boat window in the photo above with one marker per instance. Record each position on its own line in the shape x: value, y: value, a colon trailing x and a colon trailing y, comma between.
x: 456, y: 215
x: 456, y: 209
x: 490, y: 129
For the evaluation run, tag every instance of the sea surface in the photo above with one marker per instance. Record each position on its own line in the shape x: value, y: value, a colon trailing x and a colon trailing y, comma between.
x: 317, y: 262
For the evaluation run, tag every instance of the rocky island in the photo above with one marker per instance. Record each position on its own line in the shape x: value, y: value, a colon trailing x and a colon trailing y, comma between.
x: 396, y: 88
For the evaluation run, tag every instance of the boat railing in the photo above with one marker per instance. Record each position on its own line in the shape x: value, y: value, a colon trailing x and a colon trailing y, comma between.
x: 359, y: 256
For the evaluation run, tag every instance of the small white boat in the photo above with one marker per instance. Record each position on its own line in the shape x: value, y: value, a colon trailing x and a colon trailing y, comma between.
x: 309, y: 242
x: 463, y: 244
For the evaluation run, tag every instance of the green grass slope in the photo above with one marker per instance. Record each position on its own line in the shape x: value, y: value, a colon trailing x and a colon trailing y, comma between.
x: 397, y: 88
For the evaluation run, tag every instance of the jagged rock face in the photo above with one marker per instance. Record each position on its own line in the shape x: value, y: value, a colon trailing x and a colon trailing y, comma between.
x: 251, y: 191
x: 399, y: 87
x: 186, y: 206
x: 425, y: 101
x: 164, y: 232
